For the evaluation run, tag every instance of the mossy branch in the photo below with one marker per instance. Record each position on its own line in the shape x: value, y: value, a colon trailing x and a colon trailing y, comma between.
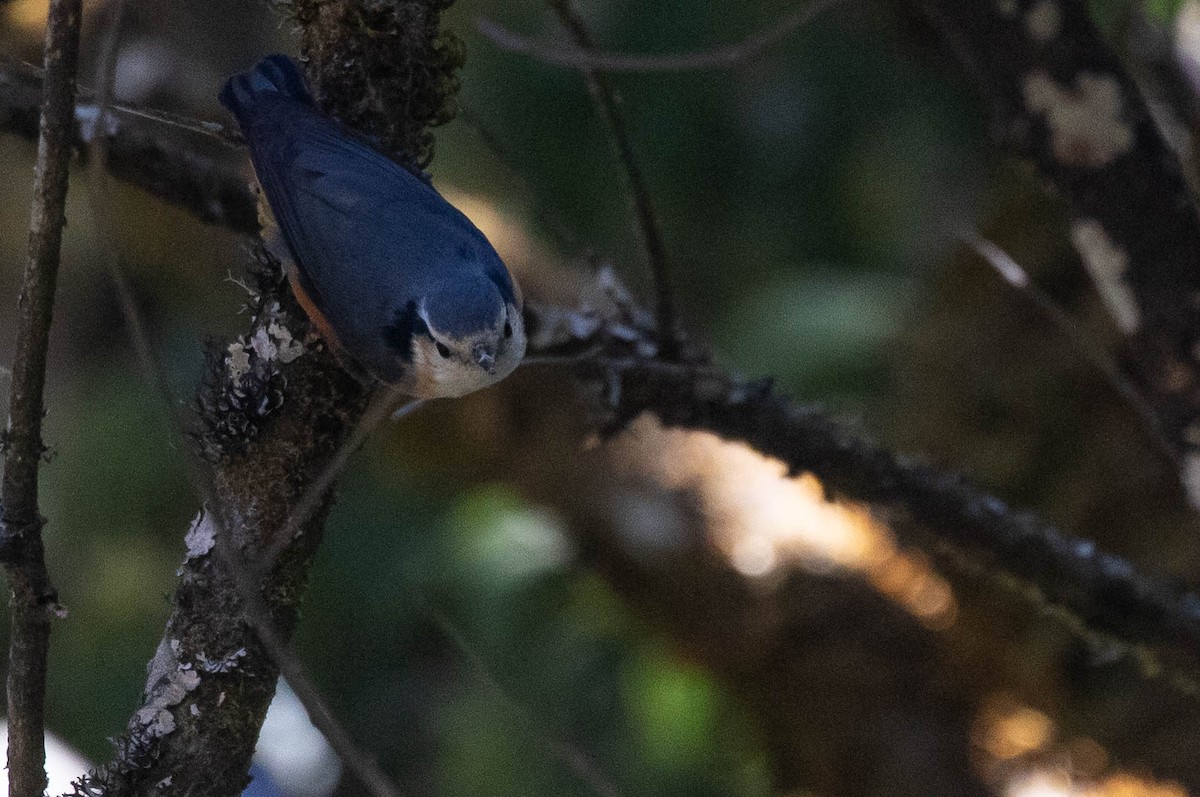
x: 274, y: 410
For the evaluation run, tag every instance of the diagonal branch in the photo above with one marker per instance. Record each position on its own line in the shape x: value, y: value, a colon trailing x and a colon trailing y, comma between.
x: 1112, y: 594
x: 275, y: 412
x: 33, y: 598
x: 1105, y: 597
x: 606, y: 99
x: 1058, y: 95
x: 247, y: 579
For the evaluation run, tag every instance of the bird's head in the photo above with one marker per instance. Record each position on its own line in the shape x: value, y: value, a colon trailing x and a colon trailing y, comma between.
x: 460, y: 338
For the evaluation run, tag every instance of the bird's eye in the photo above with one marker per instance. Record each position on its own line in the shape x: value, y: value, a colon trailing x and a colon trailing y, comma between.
x: 507, y: 329
x: 443, y: 349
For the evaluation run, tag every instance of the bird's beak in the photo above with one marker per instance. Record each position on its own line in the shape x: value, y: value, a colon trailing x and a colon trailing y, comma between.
x: 486, y: 357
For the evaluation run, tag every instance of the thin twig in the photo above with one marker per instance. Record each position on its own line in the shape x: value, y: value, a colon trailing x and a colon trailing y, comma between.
x: 1016, y: 277
x: 408, y: 408
x: 575, y: 758
x: 85, y: 96
x: 99, y: 190
x: 724, y: 57
x: 382, y: 405
x: 606, y: 99
x: 33, y: 598
x: 364, y: 767
x: 204, y: 127
x: 170, y: 167
x: 505, y: 158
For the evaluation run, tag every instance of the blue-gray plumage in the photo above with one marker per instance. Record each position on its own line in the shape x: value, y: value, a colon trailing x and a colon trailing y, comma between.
x: 397, y: 277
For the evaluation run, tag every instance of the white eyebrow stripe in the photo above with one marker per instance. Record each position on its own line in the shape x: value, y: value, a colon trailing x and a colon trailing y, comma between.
x: 421, y: 312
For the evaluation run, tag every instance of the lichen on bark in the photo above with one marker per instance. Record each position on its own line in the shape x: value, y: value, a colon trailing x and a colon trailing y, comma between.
x: 268, y: 429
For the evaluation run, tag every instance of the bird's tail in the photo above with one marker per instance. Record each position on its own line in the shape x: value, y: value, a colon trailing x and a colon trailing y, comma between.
x: 275, y: 74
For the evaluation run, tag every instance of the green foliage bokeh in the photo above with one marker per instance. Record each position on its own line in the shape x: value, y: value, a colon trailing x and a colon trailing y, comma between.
x: 806, y: 196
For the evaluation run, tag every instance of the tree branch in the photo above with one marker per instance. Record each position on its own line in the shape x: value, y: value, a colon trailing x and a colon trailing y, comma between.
x: 605, y: 97
x: 1102, y: 591
x: 1103, y: 598
x: 154, y: 155
x: 275, y: 411
x: 1057, y: 94
x: 1116, y: 597
x: 33, y: 599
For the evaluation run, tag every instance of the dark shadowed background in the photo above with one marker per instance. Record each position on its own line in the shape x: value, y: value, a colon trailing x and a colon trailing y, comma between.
x: 813, y: 201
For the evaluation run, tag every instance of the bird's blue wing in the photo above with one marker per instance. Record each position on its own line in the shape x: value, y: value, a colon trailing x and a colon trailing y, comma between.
x: 360, y: 227
x: 370, y: 238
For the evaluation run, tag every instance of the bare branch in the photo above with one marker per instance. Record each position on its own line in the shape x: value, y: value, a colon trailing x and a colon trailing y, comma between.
x: 606, y: 99
x: 33, y: 598
x: 141, y: 150
x: 1107, y: 598
x: 571, y: 755
x: 725, y: 57
x: 1015, y: 276
x: 1107, y: 601
x: 23, y: 448
x: 1058, y: 95
x: 382, y: 406
x: 362, y: 766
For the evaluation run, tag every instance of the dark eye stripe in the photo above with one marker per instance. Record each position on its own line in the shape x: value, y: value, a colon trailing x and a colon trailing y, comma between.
x: 443, y: 349
x: 400, y: 334
x: 507, y: 329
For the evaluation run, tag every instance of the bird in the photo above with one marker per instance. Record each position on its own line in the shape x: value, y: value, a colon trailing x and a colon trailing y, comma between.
x: 393, y: 276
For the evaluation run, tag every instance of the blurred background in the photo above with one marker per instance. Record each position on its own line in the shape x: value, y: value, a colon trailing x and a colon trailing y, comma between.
x: 813, y: 201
